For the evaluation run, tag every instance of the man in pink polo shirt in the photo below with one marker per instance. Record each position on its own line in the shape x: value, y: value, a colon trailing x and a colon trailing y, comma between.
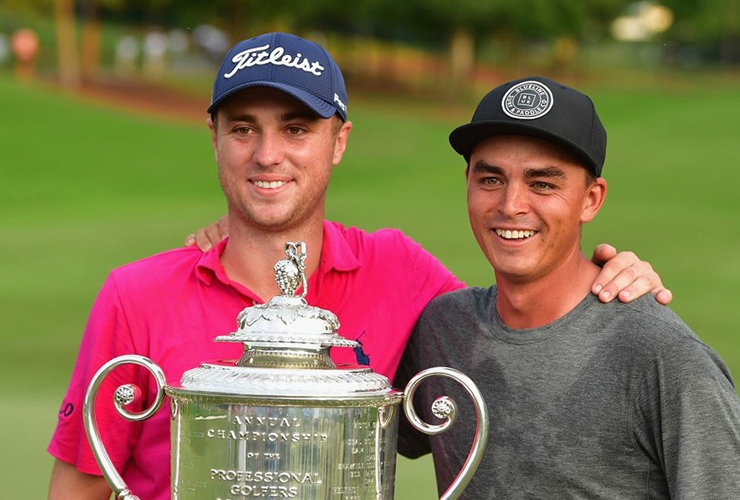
x: 279, y: 125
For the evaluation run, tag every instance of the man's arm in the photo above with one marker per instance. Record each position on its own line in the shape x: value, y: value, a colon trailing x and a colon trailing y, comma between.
x: 623, y: 274
x: 67, y: 483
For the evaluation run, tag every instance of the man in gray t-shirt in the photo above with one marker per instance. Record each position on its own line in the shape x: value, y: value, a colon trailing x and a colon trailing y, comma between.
x: 587, y: 400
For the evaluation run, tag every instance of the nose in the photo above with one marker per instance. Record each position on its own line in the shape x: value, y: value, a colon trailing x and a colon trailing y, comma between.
x: 514, y: 200
x: 270, y: 149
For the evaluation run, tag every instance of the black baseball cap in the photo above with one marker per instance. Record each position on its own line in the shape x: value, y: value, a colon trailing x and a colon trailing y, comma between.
x: 298, y: 67
x: 539, y: 107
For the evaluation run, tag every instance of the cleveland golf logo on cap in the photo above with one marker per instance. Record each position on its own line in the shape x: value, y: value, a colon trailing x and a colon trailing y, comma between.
x: 527, y: 100
x: 259, y: 56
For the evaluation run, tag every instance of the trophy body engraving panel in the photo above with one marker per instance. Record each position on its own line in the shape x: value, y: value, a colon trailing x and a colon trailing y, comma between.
x: 236, y: 452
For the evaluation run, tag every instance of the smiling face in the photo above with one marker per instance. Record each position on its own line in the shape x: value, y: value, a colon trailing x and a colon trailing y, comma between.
x: 275, y: 158
x: 527, y: 200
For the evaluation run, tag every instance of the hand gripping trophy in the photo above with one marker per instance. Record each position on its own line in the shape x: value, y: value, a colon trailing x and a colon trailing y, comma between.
x: 284, y: 421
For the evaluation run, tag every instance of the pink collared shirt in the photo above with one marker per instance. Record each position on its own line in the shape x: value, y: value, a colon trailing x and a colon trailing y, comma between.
x: 170, y: 306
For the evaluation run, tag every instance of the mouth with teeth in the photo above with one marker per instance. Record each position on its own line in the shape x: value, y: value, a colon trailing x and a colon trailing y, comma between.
x: 269, y: 184
x: 509, y: 234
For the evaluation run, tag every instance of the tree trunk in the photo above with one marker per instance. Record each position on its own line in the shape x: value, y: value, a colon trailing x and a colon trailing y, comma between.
x: 91, y: 42
x: 462, y: 58
x: 68, y: 60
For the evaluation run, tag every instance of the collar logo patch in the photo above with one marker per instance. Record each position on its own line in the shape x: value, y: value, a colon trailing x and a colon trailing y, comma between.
x: 527, y: 100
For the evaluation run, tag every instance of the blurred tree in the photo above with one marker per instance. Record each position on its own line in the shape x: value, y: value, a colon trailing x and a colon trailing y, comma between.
x: 459, y: 28
x: 75, y: 62
x: 90, y: 40
x: 464, y: 24
x: 709, y: 25
x: 730, y: 34
x: 67, y: 55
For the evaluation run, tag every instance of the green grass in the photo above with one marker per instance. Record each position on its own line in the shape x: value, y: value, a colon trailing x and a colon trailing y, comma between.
x: 86, y: 188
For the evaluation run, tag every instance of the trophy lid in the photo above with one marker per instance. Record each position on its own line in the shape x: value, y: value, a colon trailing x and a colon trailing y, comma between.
x: 286, y: 346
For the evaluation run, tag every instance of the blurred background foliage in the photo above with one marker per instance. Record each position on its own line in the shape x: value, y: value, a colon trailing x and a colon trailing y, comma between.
x: 436, y: 46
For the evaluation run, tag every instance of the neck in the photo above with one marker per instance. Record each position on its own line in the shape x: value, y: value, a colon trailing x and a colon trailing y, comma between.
x: 531, y: 304
x: 250, y: 255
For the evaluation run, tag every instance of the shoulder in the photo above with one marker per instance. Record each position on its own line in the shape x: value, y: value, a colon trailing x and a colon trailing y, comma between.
x: 646, y: 320
x: 160, y: 269
x: 447, y: 329
x: 644, y: 325
x: 659, y: 338
x: 647, y: 307
x: 465, y: 298
x: 384, y: 239
x: 389, y: 252
x: 177, y: 257
x: 459, y: 307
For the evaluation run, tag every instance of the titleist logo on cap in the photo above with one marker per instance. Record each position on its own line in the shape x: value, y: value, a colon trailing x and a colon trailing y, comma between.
x: 259, y: 56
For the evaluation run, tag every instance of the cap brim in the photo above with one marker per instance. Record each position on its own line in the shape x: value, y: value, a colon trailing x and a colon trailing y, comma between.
x: 315, y: 104
x: 464, y: 138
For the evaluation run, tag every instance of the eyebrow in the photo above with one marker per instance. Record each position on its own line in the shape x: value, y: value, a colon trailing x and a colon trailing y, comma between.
x: 482, y: 167
x: 285, y: 117
x: 549, y: 172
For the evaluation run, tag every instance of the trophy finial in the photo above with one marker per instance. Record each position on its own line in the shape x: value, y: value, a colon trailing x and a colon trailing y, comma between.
x: 286, y: 332
x: 290, y: 273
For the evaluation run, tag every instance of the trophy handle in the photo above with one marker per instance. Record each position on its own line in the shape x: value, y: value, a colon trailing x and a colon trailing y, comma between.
x: 124, y: 395
x: 444, y: 408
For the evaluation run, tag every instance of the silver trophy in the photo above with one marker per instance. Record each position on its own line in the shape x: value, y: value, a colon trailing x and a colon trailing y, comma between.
x: 283, y: 421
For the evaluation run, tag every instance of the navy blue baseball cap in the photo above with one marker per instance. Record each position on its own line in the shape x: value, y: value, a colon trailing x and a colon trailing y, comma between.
x: 539, y: 107
x: 298, y: 67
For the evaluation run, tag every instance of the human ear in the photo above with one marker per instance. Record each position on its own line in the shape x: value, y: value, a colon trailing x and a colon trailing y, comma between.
x: 212, y: 126
x: 594, y: 199
x: 341, y: 142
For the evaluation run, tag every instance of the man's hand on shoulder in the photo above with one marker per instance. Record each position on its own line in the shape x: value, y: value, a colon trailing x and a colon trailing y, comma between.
x: 208, y: 237
x: 625, y: 276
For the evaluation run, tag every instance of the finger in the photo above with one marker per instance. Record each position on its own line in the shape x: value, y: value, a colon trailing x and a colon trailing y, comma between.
x: 664, y: 296
x: 642, y: 285
x: 213, y: 234
x: 623, y: 261
x: 223, y: 227
x: 630, y: 284
x: 202, y: 240
x: 602, y: 253
x: 190, y: 240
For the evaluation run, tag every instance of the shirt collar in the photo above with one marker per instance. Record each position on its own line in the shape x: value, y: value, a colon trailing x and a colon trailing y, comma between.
x: 336, y: 254
x: 209, y: 265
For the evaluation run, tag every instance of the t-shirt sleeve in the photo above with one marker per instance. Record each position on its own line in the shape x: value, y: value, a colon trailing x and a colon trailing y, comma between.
x: 690, y: 416
x: 107, y: 335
